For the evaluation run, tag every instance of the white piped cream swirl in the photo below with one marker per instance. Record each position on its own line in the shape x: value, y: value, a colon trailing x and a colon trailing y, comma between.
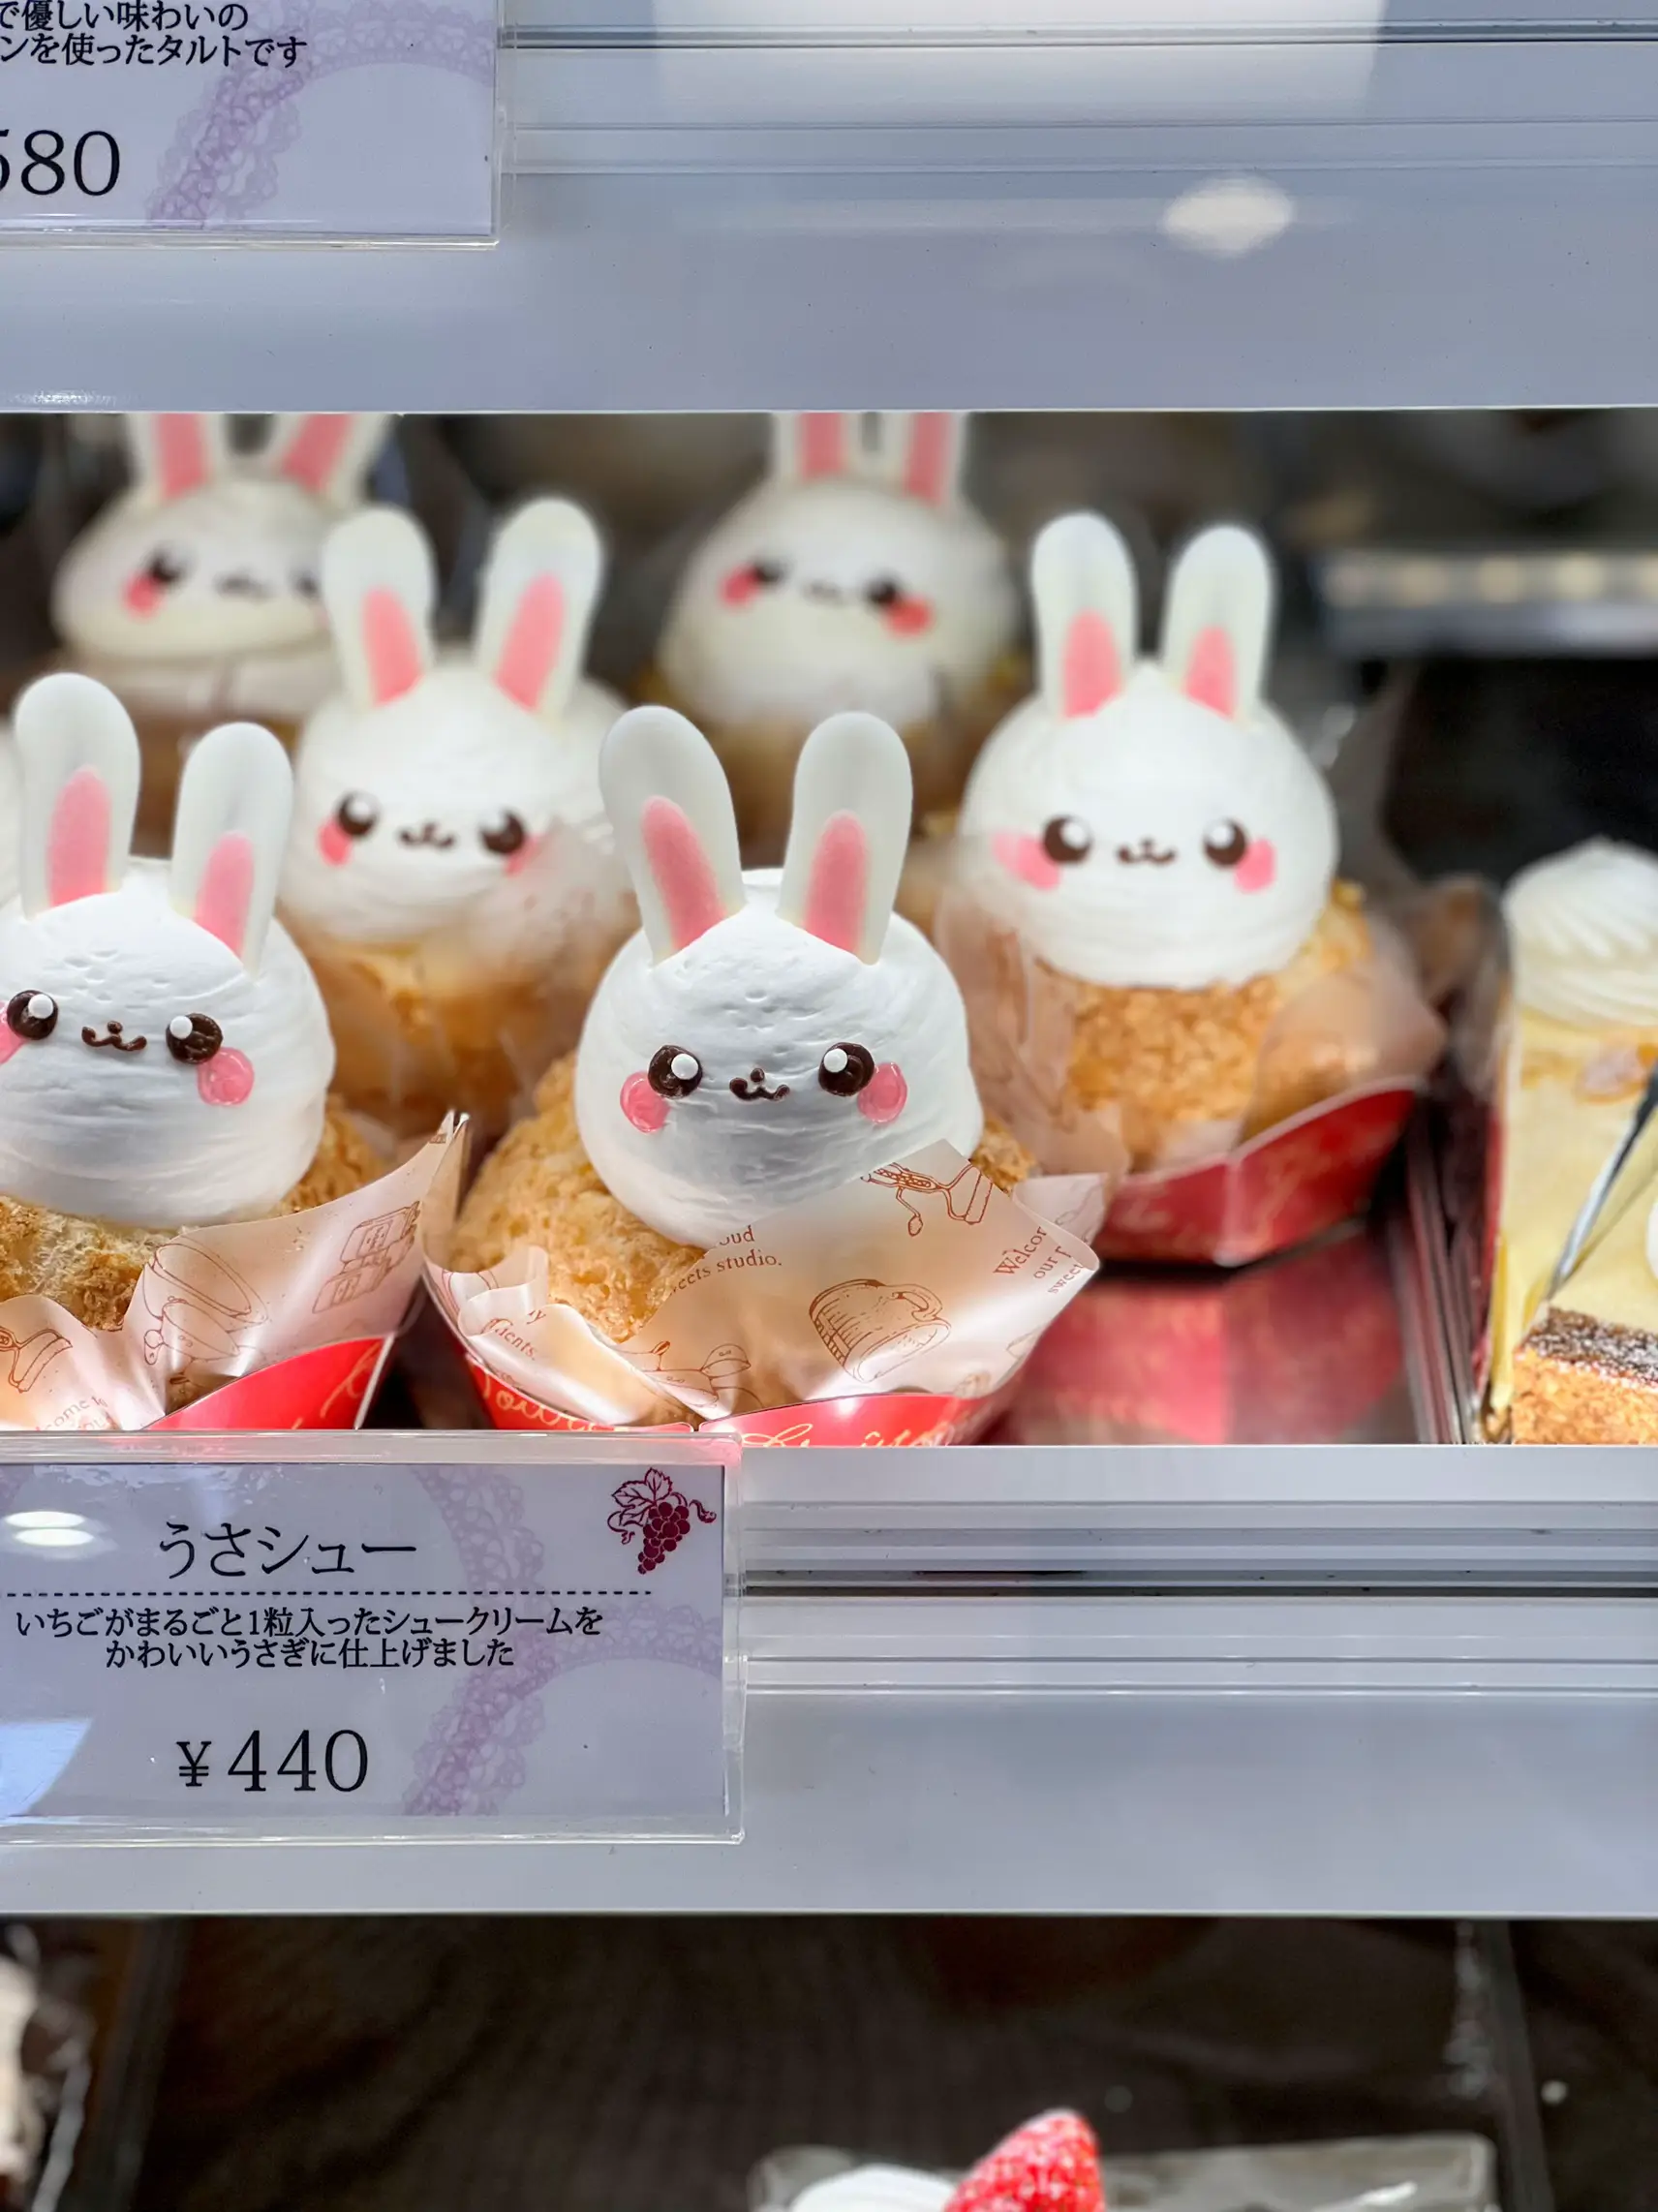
x: 1584, y: 931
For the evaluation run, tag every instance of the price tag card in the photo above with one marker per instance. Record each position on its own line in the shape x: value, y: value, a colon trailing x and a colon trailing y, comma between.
x: 540, y: 1643
x: 355, y: 119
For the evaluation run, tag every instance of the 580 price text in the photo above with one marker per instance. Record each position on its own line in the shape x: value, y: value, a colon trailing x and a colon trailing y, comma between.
x: 339, y: 1763
x: 43, y: 163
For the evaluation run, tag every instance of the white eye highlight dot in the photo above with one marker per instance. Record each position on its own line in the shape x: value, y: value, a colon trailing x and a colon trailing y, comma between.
x: 835, y: 1061
x: 180, y: 1025
x: 40, y: 1006
x: 685, y: 1066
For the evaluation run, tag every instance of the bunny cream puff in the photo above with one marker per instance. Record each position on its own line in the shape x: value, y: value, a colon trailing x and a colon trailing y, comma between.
x: 849, y: 578
x: 195, y: 596
x: 1163, y: 849
x: 764, y: 1039
x: 451, y: 873
x: 164, y: 1055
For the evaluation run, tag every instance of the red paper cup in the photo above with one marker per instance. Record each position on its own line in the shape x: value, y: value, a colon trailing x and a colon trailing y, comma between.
x: 1288, y: 1185
x: 330, y: 1387
x: 902, y: 1418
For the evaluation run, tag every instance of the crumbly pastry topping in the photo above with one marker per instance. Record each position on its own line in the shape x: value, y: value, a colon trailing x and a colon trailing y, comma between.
x: 1584, y: 930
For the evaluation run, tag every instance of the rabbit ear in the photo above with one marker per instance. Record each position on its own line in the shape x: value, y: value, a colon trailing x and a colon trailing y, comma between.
x: 666, y: 794
x: 537, y: 595
x: 378, y: 587
x: 1216, y: 620
x: 328, y: 454
x: 235, y: 800
x: 79, y: 757
x: 808, y: 445
x: 171, y: 454
x: 1082, y: 580
x: 923, y: 454
x: 848, y: 835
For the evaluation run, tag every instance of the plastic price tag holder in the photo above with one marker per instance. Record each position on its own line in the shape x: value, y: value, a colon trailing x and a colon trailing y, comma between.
x: 326, y: 120
x: 403, y: 1637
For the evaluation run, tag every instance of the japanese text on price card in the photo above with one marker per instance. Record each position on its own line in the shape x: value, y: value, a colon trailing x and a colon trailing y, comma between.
x: 542, y: 1647
x: 361, y: 119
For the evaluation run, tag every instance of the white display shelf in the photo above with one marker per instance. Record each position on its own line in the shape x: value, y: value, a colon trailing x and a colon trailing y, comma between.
x: 1376, y: 1680
x: 724, y: 217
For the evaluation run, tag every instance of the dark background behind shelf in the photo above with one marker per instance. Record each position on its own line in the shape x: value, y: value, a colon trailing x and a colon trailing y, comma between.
x: 642, y: 2065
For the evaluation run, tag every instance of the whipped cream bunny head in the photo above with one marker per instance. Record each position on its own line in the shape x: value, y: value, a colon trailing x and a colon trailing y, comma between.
x: 210, y: 552
x: 429, y: 787
x: 850, y: 578
x: 163, y: 1054
x: 765, y: 1039
x: 1152, y: 824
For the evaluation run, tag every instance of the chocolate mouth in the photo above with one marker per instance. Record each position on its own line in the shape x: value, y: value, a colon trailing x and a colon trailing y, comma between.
x: 1157, y: 855
x: 429, y: 833
x: 113, y: 1037
x: 755, y: 1086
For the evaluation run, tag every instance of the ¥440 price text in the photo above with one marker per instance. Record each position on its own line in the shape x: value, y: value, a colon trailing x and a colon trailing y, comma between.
x: 43, y: 163
x: 341, y: 1763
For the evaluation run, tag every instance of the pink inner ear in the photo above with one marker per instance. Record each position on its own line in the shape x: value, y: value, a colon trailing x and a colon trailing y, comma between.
x: 683, y: 873
x: 78, y: 846
x: 181, y: 453
x: 822, y: 445
x: 927, y: 464
x: 389, y: 644
x: 314, y: 452
x: 531, y: 652
x: 839, y: 883
x: 1212, y: 672
x: 1092, y: 672
x: 227, y: 890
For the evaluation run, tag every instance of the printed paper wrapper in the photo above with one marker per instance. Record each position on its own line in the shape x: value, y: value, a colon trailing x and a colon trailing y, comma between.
x: 1336, y: 1077
x: 469, y: 1017
x: 284, y: 1323
x: 1189, y: 1356
x: 897, y: 1309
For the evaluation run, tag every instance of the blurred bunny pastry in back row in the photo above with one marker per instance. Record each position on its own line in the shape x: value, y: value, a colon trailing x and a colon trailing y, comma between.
x: 856, y: 575
x: 195, y: 594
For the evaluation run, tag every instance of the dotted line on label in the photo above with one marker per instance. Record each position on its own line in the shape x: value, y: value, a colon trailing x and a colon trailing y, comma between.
x: 245, y: 1590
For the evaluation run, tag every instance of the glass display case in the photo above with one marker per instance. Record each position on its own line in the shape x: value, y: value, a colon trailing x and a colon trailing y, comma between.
x: 1157, y: 520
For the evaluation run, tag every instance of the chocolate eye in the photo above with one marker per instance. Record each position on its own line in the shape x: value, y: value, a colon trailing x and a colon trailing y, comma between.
x: 357, y: 813
x: 167, y: 569
x: 674, y: 1073
x: 504, y: 835
x: 1226, y: 843
x: 766, y: 573
x: 306, y: 585
x: 32, y: 1014
x: 845, y: 1069
x: 1067, y: 839
x: 193, y: 1038
x: 884, y: 591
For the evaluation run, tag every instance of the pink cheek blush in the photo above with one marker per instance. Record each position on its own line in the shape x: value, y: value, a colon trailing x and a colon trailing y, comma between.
x: 645, y: 1108
x: 8, y: 1042
x: 884, y: 1097
x: 226, y: 1079
x: 142, y: 595
x: 1258, y: 868
x: 518, y: 861
x: 908, y: 617
x: 1023, y: 857
x: 333, y: 843
x: 739, y: 587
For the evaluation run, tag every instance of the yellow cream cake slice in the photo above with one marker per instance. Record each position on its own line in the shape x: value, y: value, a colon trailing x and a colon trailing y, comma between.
x: 1582, y: 1039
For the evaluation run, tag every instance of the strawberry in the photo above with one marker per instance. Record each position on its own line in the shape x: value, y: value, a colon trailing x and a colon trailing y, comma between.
x: 1050, y: 2164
